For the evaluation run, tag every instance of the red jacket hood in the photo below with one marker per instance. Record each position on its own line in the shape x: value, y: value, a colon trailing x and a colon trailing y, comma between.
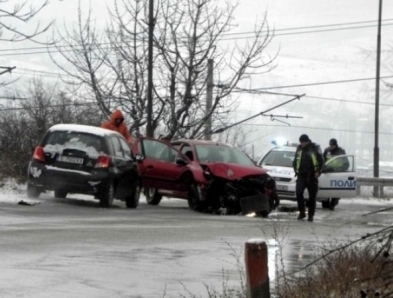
x: 232, y: 171
x: 116, y: 115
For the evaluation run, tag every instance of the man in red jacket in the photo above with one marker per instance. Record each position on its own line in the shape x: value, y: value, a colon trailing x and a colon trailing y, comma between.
x: 116, y: 123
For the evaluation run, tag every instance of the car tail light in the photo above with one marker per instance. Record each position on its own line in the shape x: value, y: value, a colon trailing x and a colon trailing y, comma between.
x: 39, y: 154
x: 103, y: 161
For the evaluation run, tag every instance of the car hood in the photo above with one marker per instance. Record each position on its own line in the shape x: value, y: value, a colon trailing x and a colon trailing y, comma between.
x: 280, y: 171
x: 234, y: 171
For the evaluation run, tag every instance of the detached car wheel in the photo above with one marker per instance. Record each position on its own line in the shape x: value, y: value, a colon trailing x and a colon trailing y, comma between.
x: 33, y: 192
x: 132, y: 201
x: 59, y: 193
x: 333, y: 203
x: 325, y: 204
x: 194, y: 199
x: 152, y: 196
x: 106, y: 195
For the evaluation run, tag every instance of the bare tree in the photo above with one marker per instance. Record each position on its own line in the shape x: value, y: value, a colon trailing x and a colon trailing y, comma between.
x: 12, y: 17
x: 187, y: 34
x: 22, y: 127
x: 130, y: 59
x: 112, y: 65
x: 86, y: 53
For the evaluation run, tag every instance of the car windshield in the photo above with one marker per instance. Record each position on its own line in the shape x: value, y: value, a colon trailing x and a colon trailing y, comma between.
x: 220, y: 153
x: 278, y: 158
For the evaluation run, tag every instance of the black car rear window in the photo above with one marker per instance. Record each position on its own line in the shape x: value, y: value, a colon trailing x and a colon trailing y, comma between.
x: 57, y: 141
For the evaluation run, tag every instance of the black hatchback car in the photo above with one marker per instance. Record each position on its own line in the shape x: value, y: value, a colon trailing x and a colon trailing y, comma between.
x: 84, y: 159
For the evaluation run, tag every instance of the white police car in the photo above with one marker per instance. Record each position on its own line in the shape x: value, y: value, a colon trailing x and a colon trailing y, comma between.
x: 334, y: 182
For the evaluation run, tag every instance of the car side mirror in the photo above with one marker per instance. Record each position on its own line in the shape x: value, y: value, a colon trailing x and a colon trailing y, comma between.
x: 181, y: 161
x: 139, y: 157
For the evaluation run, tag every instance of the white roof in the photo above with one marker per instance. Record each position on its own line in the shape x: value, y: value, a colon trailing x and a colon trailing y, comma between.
x: 285, y: 148
x: 82, y: 128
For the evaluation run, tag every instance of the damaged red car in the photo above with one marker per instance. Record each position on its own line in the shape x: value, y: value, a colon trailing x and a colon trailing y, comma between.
x: 212, y: 177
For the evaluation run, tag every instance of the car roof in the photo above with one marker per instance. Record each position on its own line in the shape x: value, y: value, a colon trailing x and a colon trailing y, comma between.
x: 201, y: 142
x: 83, y: 128
x: 284, y: 148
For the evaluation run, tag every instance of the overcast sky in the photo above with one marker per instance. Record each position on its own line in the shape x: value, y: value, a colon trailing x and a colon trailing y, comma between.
x: 318, y: 41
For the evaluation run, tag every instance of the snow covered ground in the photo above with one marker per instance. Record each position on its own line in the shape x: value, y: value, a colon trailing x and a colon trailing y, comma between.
x: 154, y: 248
x: 13, y: 192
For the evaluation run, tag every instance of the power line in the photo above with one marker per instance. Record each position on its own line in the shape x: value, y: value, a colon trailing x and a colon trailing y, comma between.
x: 328, y: 30
x: 321, y: 83
x: 240, y: 90
x: 347, y: 100
x: 316, y: 128
x: 6, y: 69
x: 225, y: 34
x: 258, y: 92
x: 261, y: 91
x: 49, y: 106
x: 33, y: 71
x: 248, y: 124
x: 57, y: 48
x: 315, y: 26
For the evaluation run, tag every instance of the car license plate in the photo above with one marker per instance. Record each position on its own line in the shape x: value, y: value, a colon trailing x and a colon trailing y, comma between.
x: 71, y: 159
x: 282, y: 187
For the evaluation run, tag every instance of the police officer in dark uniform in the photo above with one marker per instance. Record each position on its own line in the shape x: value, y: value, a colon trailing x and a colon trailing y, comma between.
x: 307, y: 164
x: 339, y: 165
x: 332, y: 150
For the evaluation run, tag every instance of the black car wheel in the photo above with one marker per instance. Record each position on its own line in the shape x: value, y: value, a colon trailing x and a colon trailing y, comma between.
x: 106, y: 195
x: 325, y: 204
x: 264, y: 214
x: 60, y: 193
x: 152, y: 196
x: 235, y: 208
x: 194, y: 199
x: 333, y: 203
x: 33, y: 192
x: 132, y: 201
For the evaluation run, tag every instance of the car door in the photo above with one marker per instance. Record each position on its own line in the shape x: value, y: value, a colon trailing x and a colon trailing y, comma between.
x: 124, y: 167
x: 338, y: 181
x: 161, y: 167
x: 187, y: 151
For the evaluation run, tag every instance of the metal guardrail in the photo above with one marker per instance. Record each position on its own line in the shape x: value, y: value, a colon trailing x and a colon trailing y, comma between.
x: 378, y: 183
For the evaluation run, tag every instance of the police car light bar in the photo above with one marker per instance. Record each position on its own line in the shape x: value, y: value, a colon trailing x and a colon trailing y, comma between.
x: 283, y: 142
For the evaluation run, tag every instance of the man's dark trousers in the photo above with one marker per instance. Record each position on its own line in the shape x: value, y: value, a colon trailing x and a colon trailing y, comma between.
x: 311, y: 183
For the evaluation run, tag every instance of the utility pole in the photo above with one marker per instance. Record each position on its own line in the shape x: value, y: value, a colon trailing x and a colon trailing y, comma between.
x: 149, y: 125
x: 209, y: 99
x: 377, y: 79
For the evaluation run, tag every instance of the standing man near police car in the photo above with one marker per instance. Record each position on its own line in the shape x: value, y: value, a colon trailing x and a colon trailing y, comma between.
x: 338, y: 165
x: 307, y: 164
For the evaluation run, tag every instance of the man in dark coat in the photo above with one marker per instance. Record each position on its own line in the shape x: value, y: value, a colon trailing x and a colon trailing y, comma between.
x: 307, y: 164
x: 338, y: 165
x: 332, y: 150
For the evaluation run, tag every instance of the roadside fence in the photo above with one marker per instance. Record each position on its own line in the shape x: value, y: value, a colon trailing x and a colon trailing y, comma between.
x: 378, y: 185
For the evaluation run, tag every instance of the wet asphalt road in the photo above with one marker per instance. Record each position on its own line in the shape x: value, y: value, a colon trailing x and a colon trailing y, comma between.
x: 73, y: 248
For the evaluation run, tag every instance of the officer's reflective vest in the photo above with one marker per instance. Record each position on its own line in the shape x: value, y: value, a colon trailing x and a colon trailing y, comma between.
x: 313, y: 158
x: 337, y: 163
